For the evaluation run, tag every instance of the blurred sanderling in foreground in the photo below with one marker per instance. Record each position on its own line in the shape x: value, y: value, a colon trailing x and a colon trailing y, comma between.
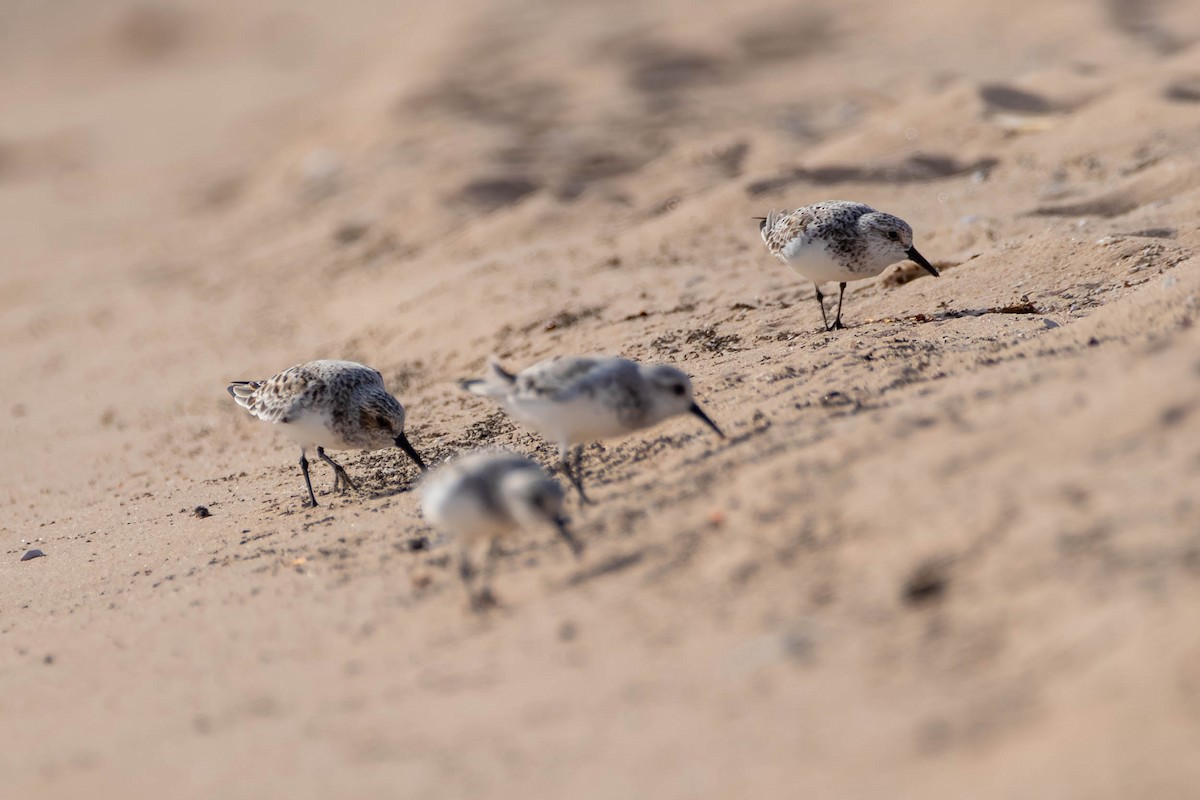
x: 839, y: 241
x: 482, y: 497
x: 341, y: 405
x: 571, y: 400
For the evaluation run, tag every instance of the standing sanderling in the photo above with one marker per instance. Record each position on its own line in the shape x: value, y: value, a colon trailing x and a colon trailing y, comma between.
x: 484, y: 496
x: 341, y: 405
x: 571, y: 400
x: 839, y: 241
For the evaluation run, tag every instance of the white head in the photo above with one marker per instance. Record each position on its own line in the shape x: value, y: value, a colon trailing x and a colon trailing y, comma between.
x: 534, y: 500
x: 889, y: 239
x: 531, y: 497
x: 671, y: 393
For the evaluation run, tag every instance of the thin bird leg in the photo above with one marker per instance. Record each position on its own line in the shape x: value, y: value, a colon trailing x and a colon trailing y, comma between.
x: 466, y: 572
x: 339, y: 472
x: 821, y: 303
x: 485, y: 599
x: 307, y: 480
x: 564, y: 463
x: 579, y: 474
x: 576, y: 476
x: 837, y: 323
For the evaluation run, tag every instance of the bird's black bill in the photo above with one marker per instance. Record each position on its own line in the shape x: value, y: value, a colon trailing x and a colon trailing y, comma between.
x: 576, y: 547
x: 695, y: 409
x: 402, y: 443
x: 919, y: 259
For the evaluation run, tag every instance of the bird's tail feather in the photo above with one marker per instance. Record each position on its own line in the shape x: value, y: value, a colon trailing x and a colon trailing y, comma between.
x: 768, y: 222
x: 243, y: 392
x: 496, y: 383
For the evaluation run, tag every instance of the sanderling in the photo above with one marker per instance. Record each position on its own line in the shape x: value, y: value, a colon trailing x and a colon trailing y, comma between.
x: 839, y: 241
x: 341, y: 405
x: 484, y: 496
x: 576, y: 399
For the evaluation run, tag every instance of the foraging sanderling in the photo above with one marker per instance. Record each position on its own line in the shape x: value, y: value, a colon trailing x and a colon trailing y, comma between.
x: 571, y: 400
x: 341, y: 405
x: 839, y: 241
x: 484, y: 496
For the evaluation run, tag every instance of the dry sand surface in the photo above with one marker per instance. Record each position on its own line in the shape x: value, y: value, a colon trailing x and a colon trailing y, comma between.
x: 952, y: 551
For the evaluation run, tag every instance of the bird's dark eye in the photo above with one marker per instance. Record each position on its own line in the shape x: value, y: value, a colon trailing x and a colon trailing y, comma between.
x: 679, y: 389
x: 893, y: 235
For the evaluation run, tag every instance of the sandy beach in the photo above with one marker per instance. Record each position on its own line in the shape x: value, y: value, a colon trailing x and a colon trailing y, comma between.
x: 950, y: 551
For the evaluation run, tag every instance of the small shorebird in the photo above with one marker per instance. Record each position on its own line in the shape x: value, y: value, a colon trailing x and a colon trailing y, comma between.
x: 485, y: 496
x: 839, y: 241
x: 340, y: 405
x: 571, y: 400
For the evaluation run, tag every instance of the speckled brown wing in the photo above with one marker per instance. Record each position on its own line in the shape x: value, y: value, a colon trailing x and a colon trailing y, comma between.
x: 279, y: 397
x: 782, y: 227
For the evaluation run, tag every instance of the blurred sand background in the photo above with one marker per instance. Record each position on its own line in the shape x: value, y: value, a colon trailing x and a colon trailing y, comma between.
x: 952, y: 551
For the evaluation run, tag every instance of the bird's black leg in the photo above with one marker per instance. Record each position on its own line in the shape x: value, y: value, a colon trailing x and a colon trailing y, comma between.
x: 466, y: 572
x: 307, y: 480
x: 485, y: 599
x: 574, y: 476
x: 821, y: 303
x: 837, y: 322
x: 339, y: 472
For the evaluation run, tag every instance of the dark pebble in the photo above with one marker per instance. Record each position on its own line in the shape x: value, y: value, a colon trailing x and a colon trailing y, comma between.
x: 927, y: 583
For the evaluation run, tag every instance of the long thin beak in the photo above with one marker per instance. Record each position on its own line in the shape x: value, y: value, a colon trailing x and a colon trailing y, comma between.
x: 402, y: 443
x: 919, y: 259
x: 560, y: 523
x: 695, y: 409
